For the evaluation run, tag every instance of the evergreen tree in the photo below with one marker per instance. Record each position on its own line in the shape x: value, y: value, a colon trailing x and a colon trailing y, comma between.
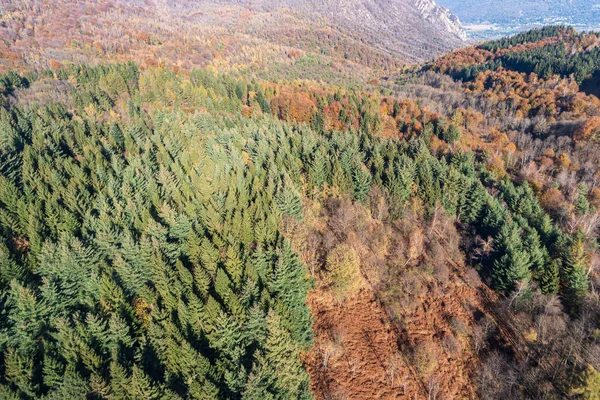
x: 361, y: 182
x: 452, y: 134
x: 549, y: 277
x: 471, y: 209
x: 513, y: 263
x: 574, y: 272
x: 582, y: 204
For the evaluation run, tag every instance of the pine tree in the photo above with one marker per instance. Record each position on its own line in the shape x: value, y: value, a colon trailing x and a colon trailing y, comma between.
x: 537, y: 252
x: 140, y: 387
x: 549, y: 277
x: 582, y: 204
x: 234, y: 265
x: 73, y: 386
x: 574, y: 272
x: 452, y: 193
x: 316, y: 123
x: 512, y: 263
x: 429, y: 190
x: 318, y: 173
x: 290, y: 204
x: 280, y: 353
x: 495, y: 216
x: 510, y: 268
x: 361, y: 179
x: 452, y: 134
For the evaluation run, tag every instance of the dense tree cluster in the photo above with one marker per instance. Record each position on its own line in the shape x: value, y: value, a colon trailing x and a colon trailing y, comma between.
x: 547, y: 51
x: 143, y: 255
x: 544, y: 61
x: 531, y: 36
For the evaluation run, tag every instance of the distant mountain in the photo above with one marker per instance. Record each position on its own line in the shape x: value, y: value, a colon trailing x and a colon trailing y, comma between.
x: 356, y: 36
x: 412, y: 29
x: 506, y: 16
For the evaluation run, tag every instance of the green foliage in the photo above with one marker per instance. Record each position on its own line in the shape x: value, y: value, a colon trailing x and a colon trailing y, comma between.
x: 575, y: 264
x: 549, y: 277
x: 544, y: 61
x: 533, y: 35
x: 452, y: 134
x: 362, y: 183
x: 587, y: 386
x: 513, y: 262
x: 582, y: 204
x: 132, y: 272
x: 142, y: 255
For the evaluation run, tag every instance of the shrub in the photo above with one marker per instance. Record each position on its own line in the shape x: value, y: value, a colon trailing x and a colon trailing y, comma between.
x: 343, y: 264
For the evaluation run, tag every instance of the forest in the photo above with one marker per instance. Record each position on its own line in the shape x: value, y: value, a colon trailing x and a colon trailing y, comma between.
x: 553, y: 50
x: 171, y: 233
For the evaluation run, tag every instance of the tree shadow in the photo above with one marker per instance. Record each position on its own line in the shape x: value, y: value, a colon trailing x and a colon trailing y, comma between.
x: 591, y: 85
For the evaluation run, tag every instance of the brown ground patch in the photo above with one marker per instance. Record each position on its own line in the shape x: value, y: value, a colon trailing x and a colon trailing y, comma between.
x: 426, y: 353
x: 355, y: 354
x: 411, y: 326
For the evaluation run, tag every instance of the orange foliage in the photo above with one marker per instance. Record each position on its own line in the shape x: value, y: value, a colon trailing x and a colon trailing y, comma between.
x: 437, y: 145
x: 546, y: 163
x: 55, y: 65
x: 297, y: 107
x: 594, y: 197
x: 331, y: 115
x: 589, y: 130
x: 552, y: 199
x: 530, y: 95
x: 549, y: 152
x: 510, y: 148
x: 564, y: 161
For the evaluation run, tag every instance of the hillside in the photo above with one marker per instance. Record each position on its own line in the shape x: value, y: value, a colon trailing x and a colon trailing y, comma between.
x: 410, y: 29
x: 244, y: 221
x: 277, y: 39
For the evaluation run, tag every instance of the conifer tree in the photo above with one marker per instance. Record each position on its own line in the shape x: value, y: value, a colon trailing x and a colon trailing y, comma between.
x: 361, y: 182
x: 574, y: 272
x: 471, y: 210
x: 513, y: 263
x: 582, y: 204
x: 452, y: 134
x: 549, y: 277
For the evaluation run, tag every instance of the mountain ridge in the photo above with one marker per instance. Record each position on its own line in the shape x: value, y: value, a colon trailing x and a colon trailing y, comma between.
x: 357, y: 35
x: 390, y: 16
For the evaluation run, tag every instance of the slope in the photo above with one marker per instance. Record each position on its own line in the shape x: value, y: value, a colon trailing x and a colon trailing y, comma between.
x: 409, y: 29
x: 347, y: 37
x: 146, y: 216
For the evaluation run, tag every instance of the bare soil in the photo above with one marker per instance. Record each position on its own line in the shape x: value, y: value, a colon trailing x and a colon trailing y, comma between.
x: 427, y: 353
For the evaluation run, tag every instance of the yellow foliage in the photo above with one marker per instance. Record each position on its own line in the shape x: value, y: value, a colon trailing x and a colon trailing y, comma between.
x: 424, y: 359
x: 510, y: 148
x: 91, y: 111
x: 343, y: 265
x: 563, y: 160
x: 589, y: 386
x: 531, y: 335
x: 496, y: 167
